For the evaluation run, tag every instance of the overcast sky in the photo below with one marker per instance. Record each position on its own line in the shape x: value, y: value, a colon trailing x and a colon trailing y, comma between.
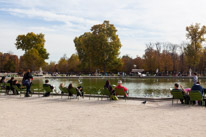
x: 138, y: 22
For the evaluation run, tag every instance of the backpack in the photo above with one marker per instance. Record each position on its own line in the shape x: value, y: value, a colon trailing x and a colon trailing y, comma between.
x: 113, y: 97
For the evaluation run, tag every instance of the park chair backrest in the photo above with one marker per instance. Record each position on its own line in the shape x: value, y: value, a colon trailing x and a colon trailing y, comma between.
x: 16, y: 88
x: 105, y: 91
x: 47, y: 88
x: 8, y: 84
x: 2, y: 85
x: 63, y: 89
x: 177, y: 94
x: 119, y: 91
x: 195, y: 95
x: 93, y: 90
x: 73, y: 90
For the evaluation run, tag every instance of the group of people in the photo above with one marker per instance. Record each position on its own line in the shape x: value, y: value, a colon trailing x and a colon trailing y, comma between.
x: 112, y: 90
x: 26, y: 82
x: 79, y: 89
x: 10, y: 86
x: 185, y: 91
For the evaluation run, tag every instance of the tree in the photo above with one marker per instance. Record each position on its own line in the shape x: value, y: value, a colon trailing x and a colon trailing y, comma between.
x: 73, y: 63
x: 62, y: 65
x: 202, y: 62
x: 139, y: 62
x: 85, y: 49
x: 10, y: 66
x: 166, y: 61
x: 32, y: 60
x: 51, y: 67
x: 150, y: 59
x: 127, y: 64
x: 182, y: 64
x: 100, y: 48
x: 9, y: 62
x: 193, y: 50
x: 174, y: 56
x: 32, y: 44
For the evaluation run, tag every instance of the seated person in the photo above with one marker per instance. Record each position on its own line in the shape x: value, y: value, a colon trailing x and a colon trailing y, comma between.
x: 10, y: 87
x: 3, y: 82
x: 119, y: 86
x: 47, y: 93
x: 61, y: 86
x: 16, y: 83
x: 186, y: 97
x: 198, y: 87
x: 69, y: 89
x: 80, y: 91
x: 109, y: 87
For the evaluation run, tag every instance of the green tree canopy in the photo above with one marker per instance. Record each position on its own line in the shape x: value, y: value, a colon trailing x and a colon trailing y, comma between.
x: 73, y: 63
x: 62, y: 65
x: 35, y: 53
x: 32, y: 60
x: 193, y: 51
x: 99, y: 49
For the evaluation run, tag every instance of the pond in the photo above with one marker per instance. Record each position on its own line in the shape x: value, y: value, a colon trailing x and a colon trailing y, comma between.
x: 138, y: 87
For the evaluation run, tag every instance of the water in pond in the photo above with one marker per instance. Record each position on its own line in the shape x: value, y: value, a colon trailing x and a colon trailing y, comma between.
x: 143, y: 87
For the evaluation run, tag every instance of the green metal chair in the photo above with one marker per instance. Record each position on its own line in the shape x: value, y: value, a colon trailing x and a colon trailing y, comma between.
x: 92, y: 91
x: 2, y: 87
x: 47, y: 89
x: 63, y: 90
x: 8, y: 88
x: 195, y: 95
x: 73, y: 91
x: 105, y: 92
x: 177, y: 94
x: 120, y: 92
x: 18, y: 90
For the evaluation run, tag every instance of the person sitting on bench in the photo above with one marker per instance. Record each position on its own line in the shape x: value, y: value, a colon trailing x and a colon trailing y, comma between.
x: 3, y: 82
x: 16, y: 83
x: 119, y: 86
x: 47, y: 93
x: 186, y: 97
x: 10, y: 85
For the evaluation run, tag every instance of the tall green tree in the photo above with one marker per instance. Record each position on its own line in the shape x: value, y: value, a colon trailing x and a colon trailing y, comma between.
x: 35, y: 53
x: 85, y: 50
x: 100, y: 47
x: 62, y: 65
x: 195, y: 34
x: 32, y: 60
x: 50, y: 67
x: 73, y: 63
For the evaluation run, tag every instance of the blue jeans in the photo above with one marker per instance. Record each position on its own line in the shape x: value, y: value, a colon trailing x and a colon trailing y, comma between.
x: 28, y: 86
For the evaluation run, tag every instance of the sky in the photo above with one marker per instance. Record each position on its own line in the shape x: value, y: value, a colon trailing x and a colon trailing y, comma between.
x: 138, y: 22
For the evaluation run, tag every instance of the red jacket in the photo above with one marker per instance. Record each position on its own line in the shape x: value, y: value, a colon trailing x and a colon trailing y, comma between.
x: 125, y: 89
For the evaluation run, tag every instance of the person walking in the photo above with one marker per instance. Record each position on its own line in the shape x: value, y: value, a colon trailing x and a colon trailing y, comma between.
x: 27, y: 81
x: 195, y: 78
